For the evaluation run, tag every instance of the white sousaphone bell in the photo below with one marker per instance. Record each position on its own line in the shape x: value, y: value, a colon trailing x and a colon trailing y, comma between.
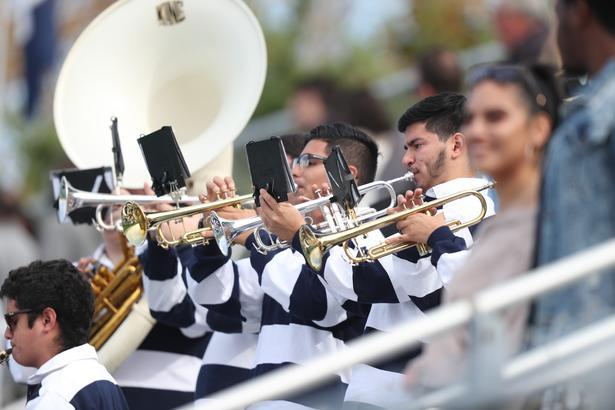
x: 196, y: 65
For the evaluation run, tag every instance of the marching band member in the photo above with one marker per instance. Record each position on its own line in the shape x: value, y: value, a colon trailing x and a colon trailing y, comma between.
x: 511, y: 113
x: 48, y: 315
x: 400, y: 287
x: 228, y: 356
x: 285, y: 338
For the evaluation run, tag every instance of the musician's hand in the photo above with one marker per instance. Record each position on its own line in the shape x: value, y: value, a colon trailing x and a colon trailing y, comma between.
x: 410, y: 200
x: 280, y: 218
x: 219, y: 188
x: 417, y: 228
x: 85, y: 264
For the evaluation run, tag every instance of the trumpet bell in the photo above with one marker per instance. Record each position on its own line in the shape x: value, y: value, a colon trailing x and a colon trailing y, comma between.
x: 134, y: 224
x: 202, y: 75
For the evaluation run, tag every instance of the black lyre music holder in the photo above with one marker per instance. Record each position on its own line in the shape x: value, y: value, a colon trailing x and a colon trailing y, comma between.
x: 165, y: 162
x: 343, y: 186
x: 269, y: 169
x: 95, y: 180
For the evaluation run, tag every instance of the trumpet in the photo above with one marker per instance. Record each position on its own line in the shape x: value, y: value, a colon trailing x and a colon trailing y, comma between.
x: 71, y: 199
x: 4, y: 355
x: 136, y: 223
x: 315, y: 245
x: 226, y: 230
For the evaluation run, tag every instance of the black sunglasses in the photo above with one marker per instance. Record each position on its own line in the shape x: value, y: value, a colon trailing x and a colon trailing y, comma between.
x: 11, y: 319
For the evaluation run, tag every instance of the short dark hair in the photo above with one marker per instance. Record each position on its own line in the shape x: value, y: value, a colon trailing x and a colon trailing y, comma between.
x: 358, y: 147
x: 293, y: 143
x: 440, y: 68
x: 604, y: 11
x: 59, y: 285
x: 442, y: 114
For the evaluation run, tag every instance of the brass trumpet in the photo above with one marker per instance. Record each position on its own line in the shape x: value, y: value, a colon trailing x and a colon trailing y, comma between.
x: 4, y: 355
x: 315, y: 245
x: 225, y: 230
x: 136, y: 223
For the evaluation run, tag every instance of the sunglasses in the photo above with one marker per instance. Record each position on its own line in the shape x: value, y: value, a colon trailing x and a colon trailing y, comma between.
x: 509, y: 74
x: 11, y: 317
x: 305, y: 160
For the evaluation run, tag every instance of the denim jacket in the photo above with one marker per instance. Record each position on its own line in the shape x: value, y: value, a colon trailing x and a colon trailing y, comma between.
x: 578, y: 203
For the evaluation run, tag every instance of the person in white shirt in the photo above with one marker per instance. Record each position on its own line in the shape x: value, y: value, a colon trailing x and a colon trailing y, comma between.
x: 49, y: 307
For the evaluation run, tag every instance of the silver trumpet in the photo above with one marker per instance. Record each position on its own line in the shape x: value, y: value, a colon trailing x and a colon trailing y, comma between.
x: 4, y: 355
x: 71, y: 199
x: 226, y: 230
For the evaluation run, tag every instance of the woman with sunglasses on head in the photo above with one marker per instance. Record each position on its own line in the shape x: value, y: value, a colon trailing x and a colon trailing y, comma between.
x: 510, y: 114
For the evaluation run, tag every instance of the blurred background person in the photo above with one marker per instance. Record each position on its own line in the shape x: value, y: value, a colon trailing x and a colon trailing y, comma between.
x: 439, y: 70
x: 525, y: 29
x: 578, y: 200
x: 314, y: 101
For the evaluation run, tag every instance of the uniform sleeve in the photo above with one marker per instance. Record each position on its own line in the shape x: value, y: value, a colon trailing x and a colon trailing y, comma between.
x: 223, y: 286
x: 287, y: 279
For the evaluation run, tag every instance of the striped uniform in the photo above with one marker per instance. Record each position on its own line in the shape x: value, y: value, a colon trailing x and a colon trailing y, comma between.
x: 227, y: 358
x: 400, y: 288
x: 283, y: 338
x: 74, y: 379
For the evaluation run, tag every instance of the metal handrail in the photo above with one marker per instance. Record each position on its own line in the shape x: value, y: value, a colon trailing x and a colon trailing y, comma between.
x: 378, y: 346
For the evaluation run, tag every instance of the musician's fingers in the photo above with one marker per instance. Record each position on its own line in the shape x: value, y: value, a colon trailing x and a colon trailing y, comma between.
x: 219, y: 181
x: 203, y: 198
x: 267, y: 200
x: 394, y: 239
x: 230, y: 183
x: 316, y: 190
x: 417, y: 199
x: 147, y: 189
x: 326, y: 189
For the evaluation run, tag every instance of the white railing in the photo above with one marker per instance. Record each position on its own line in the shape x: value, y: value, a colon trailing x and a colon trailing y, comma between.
x: 596, y: 339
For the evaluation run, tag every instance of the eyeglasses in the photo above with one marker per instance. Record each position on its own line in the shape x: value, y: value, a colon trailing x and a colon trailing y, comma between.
x: 305, y: 160
x: 509, y: 74
x: 10, y: 317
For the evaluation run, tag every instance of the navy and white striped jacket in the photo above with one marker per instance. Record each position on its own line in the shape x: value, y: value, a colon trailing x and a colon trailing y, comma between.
x: 283, y: 338
x: 74, y: 379
x: 224, y: 360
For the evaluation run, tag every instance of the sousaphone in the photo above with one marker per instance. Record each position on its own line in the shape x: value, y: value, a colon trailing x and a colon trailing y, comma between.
x: 196, y: 65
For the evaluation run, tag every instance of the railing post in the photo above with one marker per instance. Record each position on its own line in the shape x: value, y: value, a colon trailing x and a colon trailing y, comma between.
x: 487, y: 338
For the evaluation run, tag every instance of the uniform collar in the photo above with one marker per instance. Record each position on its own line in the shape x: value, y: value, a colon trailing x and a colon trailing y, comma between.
x: 455, y: 185
x: 62, y: 359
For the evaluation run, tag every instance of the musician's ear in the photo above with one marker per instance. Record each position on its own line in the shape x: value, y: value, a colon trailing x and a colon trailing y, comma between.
x: 354, y: 171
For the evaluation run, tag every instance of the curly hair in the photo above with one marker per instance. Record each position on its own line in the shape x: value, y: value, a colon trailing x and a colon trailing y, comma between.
x: 56, y: 284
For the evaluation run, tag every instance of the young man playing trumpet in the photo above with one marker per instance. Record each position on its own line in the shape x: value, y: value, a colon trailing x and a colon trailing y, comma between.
x: 285, y: 338
x: 401, y: 286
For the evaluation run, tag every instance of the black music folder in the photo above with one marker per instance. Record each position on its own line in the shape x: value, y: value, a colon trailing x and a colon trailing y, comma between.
x: 165, y: 161
x: 269, y: 169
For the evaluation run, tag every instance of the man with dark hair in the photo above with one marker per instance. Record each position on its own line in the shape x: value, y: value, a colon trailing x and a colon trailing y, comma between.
x: 49, y: 308
x: 401, y: 286
x: 439, y: 71
x: 285, y: 337
x: 293, y: 144
x: 578, y: 200
x: 315, y: 100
